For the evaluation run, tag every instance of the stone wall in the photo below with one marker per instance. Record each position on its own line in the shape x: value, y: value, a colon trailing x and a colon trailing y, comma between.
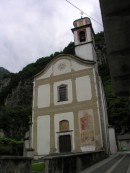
x: 10, y: 164
x: 72, y: 163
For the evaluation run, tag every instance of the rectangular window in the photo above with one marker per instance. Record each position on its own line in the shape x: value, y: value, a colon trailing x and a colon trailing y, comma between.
x: 62, y: 93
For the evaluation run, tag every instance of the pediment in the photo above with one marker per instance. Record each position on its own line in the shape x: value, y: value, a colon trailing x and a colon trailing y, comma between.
x: 62, y: 65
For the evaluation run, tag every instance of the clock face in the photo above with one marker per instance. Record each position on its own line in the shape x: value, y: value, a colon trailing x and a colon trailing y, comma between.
x: 61, y: 66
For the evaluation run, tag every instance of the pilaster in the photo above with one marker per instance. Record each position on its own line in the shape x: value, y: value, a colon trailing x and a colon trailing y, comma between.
x: 52, y: 134
x: 76, y: 132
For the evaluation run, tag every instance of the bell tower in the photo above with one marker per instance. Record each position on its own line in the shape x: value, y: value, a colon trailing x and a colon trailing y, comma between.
x: 84, y: 39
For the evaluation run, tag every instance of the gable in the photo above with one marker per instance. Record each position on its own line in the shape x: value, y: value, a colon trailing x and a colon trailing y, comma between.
x: 62, y: 65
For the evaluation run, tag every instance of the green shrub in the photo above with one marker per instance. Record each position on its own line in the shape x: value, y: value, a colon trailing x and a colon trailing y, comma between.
x: 10, y: 147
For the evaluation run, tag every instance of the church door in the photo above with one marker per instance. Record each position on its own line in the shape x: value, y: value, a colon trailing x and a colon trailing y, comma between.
x: 65, y: 143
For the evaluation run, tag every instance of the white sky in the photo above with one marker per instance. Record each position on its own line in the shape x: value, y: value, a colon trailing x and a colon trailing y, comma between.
x: 31, y: 29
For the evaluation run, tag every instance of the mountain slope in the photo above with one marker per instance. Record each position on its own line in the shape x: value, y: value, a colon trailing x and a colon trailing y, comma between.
x: 3, y: 72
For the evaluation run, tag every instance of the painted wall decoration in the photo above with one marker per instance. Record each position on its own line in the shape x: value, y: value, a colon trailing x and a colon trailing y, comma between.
x: 86, y: 128
x: 64, y: 125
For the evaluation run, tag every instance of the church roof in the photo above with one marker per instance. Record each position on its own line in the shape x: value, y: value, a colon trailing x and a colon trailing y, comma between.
x: 81, y: 22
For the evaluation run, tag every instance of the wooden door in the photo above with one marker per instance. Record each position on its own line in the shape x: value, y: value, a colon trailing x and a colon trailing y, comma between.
x: 65, y: 143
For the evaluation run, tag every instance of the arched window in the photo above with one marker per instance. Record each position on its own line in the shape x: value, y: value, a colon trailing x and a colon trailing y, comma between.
x: 62, y: 93
x: 64, y: 125
x: 82, y: 36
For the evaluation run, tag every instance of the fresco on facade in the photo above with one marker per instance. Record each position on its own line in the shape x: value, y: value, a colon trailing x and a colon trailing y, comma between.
x: 64, y: 125
x: 86, y: 127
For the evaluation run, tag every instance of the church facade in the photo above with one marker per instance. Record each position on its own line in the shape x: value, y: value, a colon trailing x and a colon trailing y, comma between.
x: 69, y: 111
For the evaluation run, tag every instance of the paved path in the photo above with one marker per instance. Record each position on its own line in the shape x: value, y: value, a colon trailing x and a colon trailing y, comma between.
x: 119, y: 163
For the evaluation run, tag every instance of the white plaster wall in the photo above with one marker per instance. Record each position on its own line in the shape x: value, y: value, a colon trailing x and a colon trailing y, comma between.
x: 98, y: 111
x: 112, y: 139
x: 89, y: 34
x: 64, y: 116
x: 43, y: 96
x: 69, y: 84
x: 83, y: 88
x: 45, y: 74
x: 76, y: 66
x: 32, y: 129
x: 33, y: 94
x: 94, y: 54
x: 85, y: 51
x: 61, y: 67
x: 88, y: 148
x: 95, y: 82
x: 43, y: 135
x: 104, y: 114
x: 98, y: 92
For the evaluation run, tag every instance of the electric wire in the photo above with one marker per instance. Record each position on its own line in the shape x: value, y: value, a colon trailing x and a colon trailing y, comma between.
x: 85, y: 13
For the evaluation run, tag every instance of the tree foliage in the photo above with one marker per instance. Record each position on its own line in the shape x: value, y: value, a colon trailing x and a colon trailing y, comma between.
x: 15, y: 121
x: 118, y: 109
x: 69, y: 49
x: 3, y: 73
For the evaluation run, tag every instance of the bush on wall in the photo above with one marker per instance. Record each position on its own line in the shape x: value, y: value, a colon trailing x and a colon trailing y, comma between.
x: 11, y: 147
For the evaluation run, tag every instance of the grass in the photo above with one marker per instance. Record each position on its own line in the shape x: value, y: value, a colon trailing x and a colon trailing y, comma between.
x: 39, y: 166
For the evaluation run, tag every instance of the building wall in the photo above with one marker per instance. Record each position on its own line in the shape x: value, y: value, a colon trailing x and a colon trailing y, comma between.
x: 103, y: 116
x: 112, y: 138
x: 81, y: 103
x: 43, y: 92
x: 43, y: 134
x: 85, y: 51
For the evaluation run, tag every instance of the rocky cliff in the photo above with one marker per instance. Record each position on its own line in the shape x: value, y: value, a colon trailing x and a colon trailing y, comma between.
x: 15, y: 91
x: 21, y: 95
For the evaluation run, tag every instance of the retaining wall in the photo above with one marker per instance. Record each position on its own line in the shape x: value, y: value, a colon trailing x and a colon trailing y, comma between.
x: 72, y: 163
x: 15, y: 164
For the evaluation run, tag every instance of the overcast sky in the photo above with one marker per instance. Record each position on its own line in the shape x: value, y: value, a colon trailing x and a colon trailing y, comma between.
x: 31, y: 29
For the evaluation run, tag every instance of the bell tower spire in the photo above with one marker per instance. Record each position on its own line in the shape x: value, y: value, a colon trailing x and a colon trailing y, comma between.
x: 84, y: 39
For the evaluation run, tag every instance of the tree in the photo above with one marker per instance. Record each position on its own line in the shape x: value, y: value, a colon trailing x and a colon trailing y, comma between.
x: 118, y: 110
x: 69, y: 49
x: 15, y: 121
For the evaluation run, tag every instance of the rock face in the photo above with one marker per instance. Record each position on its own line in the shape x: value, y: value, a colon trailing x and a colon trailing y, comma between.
x: 4, y: 83
x: 13, y: 90
x: 3, y: 72
x: 21, y: 95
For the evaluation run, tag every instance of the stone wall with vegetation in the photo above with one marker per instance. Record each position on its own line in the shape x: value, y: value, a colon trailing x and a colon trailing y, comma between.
x: 10, y: 147
x: 10, y: 164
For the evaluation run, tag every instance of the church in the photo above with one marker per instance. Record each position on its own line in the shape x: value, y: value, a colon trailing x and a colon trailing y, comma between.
x: 69, y: 109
